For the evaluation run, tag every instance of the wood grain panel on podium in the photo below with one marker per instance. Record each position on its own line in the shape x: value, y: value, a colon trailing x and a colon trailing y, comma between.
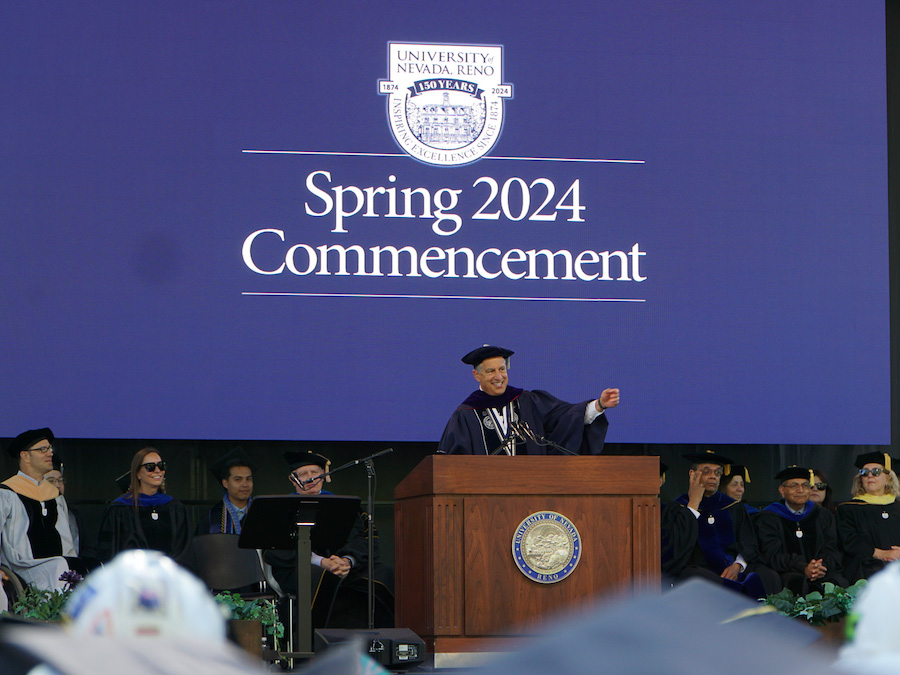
x: 530, y: 474
x: 455, y: 516
x: 605, y: 563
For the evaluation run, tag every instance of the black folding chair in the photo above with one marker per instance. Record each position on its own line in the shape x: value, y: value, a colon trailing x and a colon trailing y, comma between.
x: 224, y: 567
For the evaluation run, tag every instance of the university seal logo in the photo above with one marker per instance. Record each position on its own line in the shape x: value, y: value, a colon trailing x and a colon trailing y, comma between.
x: 546, y: 547
x: 445, y: 102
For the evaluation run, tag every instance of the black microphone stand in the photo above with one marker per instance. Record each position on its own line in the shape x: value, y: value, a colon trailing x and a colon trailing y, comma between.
x: 509, y: 443
x: 543, y: 440
x: 370, y: 531
x: 353, y: 462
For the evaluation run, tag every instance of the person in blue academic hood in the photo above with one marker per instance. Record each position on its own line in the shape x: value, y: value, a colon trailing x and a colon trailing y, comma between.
x: 734, y: 484
x: 500, y: 418
x: 235, y: 472
x: 798, y: 538
x: 725, y: 549
x: 145, y: 517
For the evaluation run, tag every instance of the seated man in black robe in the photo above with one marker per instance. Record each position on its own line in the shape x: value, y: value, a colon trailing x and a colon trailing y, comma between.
x: 678, y: 534
x: 37, y: 541
x: 798, y: 538
x: 339, y: 578
x: 235, y: 471
x: 498, y: 418
x: 725, y: 549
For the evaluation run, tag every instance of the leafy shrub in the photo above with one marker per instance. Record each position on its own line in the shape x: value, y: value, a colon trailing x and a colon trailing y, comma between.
x: 817, y: 608
x: 261, y: 610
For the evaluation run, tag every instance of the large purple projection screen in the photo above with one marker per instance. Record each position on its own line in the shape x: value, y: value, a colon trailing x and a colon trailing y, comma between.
x: 289, y: 220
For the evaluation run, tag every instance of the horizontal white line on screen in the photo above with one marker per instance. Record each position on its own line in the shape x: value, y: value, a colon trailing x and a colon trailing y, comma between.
x: 401, y: 154
x: 436, y: 297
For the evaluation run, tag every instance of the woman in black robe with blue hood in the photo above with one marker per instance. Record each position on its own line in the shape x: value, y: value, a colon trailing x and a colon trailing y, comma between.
x: 145, y: 517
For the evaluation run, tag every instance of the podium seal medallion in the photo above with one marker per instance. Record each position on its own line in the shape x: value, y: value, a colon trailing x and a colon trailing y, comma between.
x: 546, y: 547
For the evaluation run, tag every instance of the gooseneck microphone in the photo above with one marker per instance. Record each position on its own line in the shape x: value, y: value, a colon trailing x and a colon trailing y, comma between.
x: 303, y: 483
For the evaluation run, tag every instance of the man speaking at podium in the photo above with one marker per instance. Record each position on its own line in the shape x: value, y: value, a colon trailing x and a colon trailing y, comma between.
x: 499, y: 419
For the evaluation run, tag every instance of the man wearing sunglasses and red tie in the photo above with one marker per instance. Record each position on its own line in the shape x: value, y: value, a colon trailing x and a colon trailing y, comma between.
x: 869, y: 524
x: 37, y: 540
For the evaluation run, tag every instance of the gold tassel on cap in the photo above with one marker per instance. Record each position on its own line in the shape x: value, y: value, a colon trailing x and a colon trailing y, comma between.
x: 746, y: 475
x: 887, y: 462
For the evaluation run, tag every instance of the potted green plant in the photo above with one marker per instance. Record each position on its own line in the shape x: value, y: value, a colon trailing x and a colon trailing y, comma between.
x: 43, y: 605
x: 249, y: 618
x: 820, y: 609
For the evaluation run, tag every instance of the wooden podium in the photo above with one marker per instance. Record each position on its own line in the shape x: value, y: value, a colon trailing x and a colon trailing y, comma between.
x: 457, y: 585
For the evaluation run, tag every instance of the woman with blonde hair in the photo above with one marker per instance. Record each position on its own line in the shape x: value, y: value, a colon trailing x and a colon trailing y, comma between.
x: 869, y: 524
x: 145, y: 517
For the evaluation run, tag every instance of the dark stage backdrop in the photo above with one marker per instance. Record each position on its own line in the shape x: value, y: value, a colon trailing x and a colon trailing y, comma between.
x: 288, y: 220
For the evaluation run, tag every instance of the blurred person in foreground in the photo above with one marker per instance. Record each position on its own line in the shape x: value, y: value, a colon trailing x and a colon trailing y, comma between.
x: 141, y: 613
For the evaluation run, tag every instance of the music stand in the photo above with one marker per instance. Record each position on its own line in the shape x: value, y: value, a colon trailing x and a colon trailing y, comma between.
x: 288, y: 522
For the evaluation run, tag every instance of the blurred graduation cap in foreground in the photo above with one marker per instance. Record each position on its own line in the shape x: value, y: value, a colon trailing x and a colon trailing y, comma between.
x: 24, y: 647
x: 695, y: 628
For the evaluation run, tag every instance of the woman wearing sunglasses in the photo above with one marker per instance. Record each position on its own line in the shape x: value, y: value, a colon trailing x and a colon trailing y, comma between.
x: 820, y: 492
x: 145, y: 516
x: 869, y: 524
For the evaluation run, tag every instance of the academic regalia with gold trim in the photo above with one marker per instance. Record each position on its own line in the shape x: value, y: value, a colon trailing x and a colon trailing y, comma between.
x: 862, y: 527
x: 37, y: 539
x: 222, y: 518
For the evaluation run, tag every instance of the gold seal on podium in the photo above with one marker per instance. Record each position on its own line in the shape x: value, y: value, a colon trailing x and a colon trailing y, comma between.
x: 546, y: 547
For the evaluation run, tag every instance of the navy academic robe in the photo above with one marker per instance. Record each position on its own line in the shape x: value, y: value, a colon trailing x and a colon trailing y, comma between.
x: 724, y: 531
x: 467, y: 434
